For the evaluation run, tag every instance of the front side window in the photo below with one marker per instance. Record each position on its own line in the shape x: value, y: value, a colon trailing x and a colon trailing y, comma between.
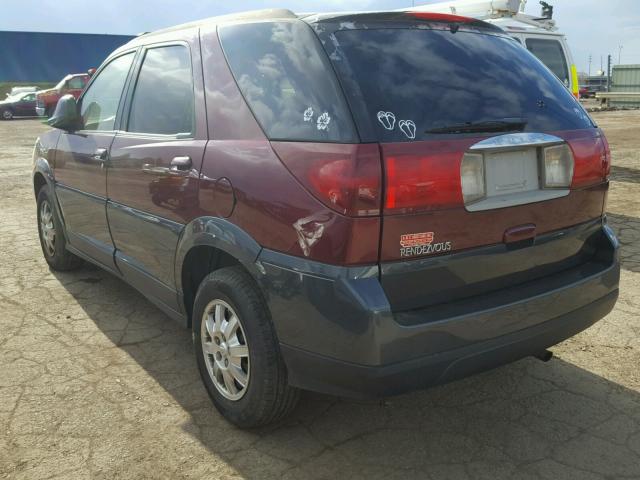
x: 288, y: 82
x: 100, y: 102
x: 551, y: 54
x: 163, y: 100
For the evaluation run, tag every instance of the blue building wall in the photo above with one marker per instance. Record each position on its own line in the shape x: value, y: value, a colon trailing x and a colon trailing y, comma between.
x: 47, y: 57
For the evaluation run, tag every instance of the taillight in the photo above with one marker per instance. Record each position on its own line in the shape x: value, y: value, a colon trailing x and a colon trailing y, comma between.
x: 557, y: 163
x: 422, y: 182
x: 346, y: 178
x: 605, y: 157
x: 592, y: 160
x: 472, y: 177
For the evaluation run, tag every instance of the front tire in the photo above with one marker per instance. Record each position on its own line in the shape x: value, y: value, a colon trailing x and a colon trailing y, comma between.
x: 237, y: 351
x: 7, y: 114
x: 52, y: 240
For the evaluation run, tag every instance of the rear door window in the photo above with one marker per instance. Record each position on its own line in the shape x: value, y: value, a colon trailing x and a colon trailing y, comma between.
x: 163, y: 99
x: 287, y: 81
x: 405, y: 83
x: 551, y: 54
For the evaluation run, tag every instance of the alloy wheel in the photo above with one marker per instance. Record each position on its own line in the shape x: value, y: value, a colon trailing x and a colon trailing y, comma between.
x: 7, y: 114
x: 47, y: 228
x: 225, y: 349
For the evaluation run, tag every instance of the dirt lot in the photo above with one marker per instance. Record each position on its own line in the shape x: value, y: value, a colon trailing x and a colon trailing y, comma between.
x: 97, y: 383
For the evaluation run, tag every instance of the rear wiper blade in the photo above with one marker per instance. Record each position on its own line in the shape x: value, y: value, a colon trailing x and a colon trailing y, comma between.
x: 501, y: 125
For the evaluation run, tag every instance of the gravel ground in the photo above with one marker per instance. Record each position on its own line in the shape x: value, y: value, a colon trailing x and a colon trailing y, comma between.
x: 97, y: 383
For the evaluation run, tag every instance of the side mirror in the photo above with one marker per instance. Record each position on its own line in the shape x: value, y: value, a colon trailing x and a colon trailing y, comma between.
x: 66, y: 116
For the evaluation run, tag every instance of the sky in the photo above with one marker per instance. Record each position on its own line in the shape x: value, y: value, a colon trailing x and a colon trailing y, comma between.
x: 592, y: 27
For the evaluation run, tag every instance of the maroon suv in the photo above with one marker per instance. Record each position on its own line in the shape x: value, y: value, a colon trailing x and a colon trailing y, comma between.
x: 357, y: 204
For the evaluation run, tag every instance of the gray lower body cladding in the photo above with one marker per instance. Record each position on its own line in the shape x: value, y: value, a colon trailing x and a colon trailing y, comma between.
x: 341, y: 334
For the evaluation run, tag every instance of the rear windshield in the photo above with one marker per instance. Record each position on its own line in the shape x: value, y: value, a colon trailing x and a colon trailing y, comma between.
x: 287, y: 80
x: 403, y: 83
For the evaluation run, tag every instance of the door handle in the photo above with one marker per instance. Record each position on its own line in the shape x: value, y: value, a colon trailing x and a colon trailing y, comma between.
x: 181, y: 164
x: 179, y: 167
x: 100, y: 155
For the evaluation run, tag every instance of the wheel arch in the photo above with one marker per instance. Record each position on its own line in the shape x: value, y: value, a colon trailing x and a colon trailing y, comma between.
x: 208, y: 244
x: 39, y: 181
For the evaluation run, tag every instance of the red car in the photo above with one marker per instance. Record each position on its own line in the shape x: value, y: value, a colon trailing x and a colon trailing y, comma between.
x: 46, y: 100
x: 357, y: 204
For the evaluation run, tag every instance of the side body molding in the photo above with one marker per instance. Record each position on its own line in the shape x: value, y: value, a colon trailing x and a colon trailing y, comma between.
x: 221, y: 234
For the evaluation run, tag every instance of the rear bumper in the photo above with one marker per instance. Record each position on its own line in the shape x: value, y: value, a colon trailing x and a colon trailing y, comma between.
x: 339, y: 335
x: 40, y: 111
x: 319, y: 373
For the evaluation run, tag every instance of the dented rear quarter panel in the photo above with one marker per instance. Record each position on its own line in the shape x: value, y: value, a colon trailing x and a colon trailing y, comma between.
x: 266, y: 200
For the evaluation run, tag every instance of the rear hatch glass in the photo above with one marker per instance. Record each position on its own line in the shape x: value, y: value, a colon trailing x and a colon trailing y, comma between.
x: 413, y: 81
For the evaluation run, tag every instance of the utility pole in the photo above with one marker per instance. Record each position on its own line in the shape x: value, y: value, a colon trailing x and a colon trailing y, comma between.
x: 619, y: 52
x: 589, y: 74
x: 608, y: 72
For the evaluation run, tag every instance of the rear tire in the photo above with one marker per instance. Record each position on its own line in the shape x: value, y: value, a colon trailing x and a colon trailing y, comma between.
x: 50, y: 230
x: 265, y: 396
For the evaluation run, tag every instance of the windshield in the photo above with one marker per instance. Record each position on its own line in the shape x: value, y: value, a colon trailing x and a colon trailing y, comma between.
x: 412, y: 83
x: 61, y: 83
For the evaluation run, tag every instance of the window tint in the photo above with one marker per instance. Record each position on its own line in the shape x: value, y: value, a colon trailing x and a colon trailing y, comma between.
x: 100, y: 102
x: 29, y: 98
x: 76, y: 82
x: 404, y: 82
x: 287, y: 81
x: 551, y: 54
x: 163, y: 98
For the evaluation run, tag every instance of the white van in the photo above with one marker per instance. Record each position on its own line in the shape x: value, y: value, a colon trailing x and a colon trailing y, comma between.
x: 538, y: 34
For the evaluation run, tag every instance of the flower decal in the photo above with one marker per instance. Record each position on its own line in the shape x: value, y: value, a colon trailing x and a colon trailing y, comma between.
x: 308, y: 114
x: 323, y: 121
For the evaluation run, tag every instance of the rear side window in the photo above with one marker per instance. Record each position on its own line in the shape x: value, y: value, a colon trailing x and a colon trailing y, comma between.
x: 287, y: 81
x: 551, y: 54
x: 163, y: 99
x: 100, y: 102
x: 413, y: 83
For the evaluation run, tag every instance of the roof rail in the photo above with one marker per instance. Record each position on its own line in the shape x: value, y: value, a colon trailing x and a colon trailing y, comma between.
x: 264, y: 14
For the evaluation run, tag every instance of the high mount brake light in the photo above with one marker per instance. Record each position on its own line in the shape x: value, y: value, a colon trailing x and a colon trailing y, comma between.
x: 441, y: 17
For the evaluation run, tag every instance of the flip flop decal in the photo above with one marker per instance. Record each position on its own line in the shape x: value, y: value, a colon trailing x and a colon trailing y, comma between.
x: 408, y: 128
x: 387, y: 119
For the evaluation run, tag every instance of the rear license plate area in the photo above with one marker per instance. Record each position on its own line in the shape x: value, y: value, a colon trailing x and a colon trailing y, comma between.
x: 511, y: 172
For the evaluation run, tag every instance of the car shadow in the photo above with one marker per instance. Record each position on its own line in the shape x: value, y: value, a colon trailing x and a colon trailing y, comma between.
x: 526, y: 420
x: 627, y: 230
